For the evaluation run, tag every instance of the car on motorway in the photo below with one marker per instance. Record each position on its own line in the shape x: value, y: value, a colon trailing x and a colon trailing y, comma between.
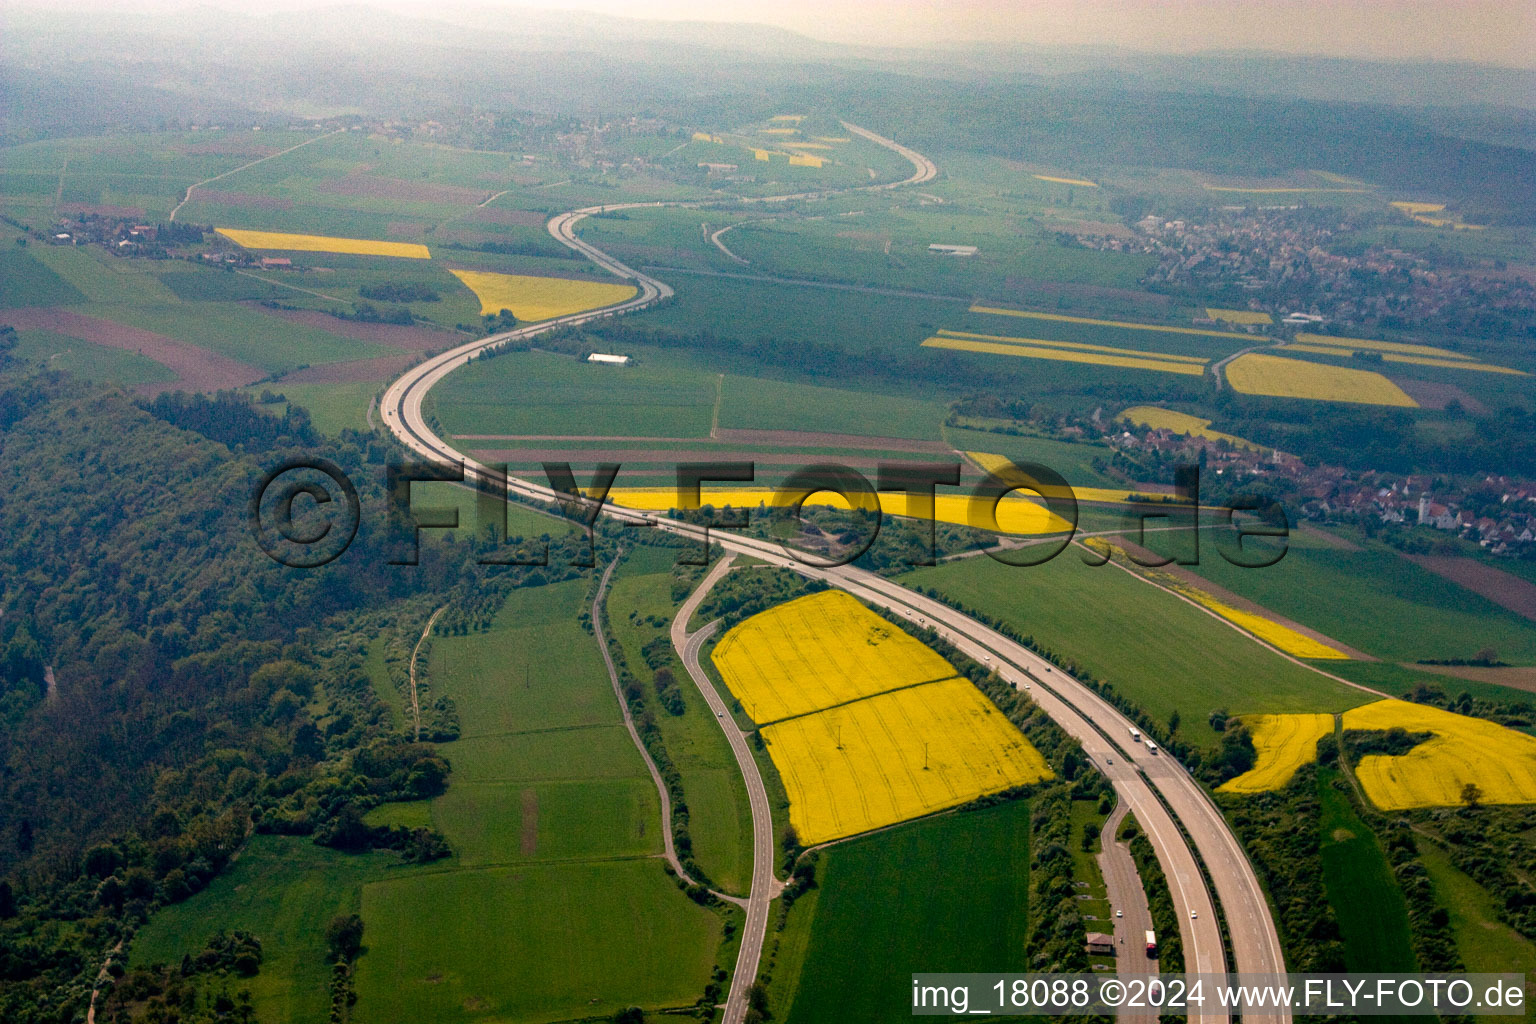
x: 1119, y: 913
x: 1193, y: 915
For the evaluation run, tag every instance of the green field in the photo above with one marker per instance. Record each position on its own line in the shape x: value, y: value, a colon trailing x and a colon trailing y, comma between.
x: 90, y: 361
x: 748, y: 310
x: 555, y: 827
x: 332, y: 407
x: 1484, y: 942
x: 103, y: 279
x: 283, y: 890
x: 1375, y: 600
x: 640, y: 610
x: 943, y: 894
x: 244, y: 333
x: 752, y: 403
x: 1072, y: 461
x: 537, y: 943
x: 1372, y: 914
x: 1153, y: 647
x: 27, y: 281
x: 545, y: 393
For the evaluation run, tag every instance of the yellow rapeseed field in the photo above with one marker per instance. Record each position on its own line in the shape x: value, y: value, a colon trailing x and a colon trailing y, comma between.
x: 897, y: 756
x: 1077, y: 346
x: 1068, y: 181
x: 324, y: 243
x: 1281, y: 637
x: 540, y: 298
x: 1277, y: 191
x: 1378, y: 346
x: 1256, y: 374
x: 999, y: 464
x: 778, y: 131
x: 818, y: 651
x: 1015, y: 515
x: 1066, y: 355
x: 1396, y: 352
x: 1394, y: 357
x: 1238, y: 316
x: 1181, y: 423
x: 707, y: 137
x: 1420, y: 212
x: 805, y: 160
x: 1126, y: 324
x: 796, y: 118
x: 762, y: 154
x: 1283, y: 744
x: 831, y: 138
x: 1501, y: 762
x: 1294, y: 643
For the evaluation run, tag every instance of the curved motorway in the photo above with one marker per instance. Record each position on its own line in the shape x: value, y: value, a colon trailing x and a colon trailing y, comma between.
x: 1167, y: 801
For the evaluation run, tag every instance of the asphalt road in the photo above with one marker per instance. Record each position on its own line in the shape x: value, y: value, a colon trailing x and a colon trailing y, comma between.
x: 1143, y: 780
x: 1128, y: 896
x: 669, y: 850
x: 764, y: 885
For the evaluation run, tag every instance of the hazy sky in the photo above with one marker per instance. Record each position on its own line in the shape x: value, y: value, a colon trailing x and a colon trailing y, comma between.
x: 1487, y: 31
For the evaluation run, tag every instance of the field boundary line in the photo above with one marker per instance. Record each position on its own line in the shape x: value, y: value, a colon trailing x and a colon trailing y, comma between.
x: 291, y: 287
x: 187, y: 196
x: 862, y: 696
x: 415, y: 703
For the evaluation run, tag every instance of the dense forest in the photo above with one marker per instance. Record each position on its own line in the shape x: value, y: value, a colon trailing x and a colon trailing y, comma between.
x: 166, y: 689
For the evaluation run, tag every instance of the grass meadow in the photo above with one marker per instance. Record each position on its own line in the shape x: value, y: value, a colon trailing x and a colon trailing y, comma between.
x: 949, y: 893
x: 555, y: 828
x: 1379, y: 602
x: 640, y: 610
x: 541, y: 942
x: 1484, y: 942
x: 88, y: 360
x: 1154, y: 648
x: 1364, y: 894
x: 544, y: 393
x: 283, y: 890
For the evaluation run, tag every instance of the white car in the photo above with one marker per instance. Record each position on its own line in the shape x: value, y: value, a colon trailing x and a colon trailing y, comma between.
x: 1119, y: 913
x: 719, y: 714
x: 1193, y: 915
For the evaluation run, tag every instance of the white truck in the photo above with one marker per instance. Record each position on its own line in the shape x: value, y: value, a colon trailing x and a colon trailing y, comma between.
x: 1135, y: 735
x: 1151, y: 747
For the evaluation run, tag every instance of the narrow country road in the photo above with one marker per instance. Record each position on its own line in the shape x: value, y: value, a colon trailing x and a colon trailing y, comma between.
x: 1128, y: 898
x: 187, y: 196
x: 415, y: 653
x: 669, y: 850
x: 764, y: 885
x: 1167, y: 801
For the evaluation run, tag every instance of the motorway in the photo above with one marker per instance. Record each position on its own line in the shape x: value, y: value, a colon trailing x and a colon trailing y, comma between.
x: 1161, y: 794
x: 765, y: 887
